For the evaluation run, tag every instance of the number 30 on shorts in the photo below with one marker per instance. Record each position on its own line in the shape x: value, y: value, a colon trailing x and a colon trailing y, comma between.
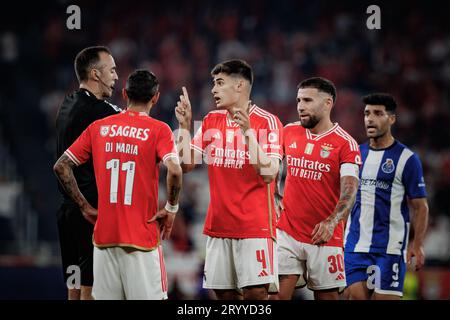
x: 336, y: 263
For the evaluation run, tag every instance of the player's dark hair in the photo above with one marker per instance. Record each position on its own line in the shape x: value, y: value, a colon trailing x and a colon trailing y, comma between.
x: 383, y: 99
x: 141, y: 86
x: 320, y: 84
x: 86, y: 59
x: 234, y: 67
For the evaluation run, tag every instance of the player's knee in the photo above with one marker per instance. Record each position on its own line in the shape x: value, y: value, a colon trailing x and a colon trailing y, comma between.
x: 274, y: 296
x: 332, y: 294
x: 357, y: 293
x: 256, y: 293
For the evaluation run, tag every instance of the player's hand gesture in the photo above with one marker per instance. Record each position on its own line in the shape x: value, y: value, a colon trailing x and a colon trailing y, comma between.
x: 165, y: 220
x: 89, y: 213
x: 183, y: 110
x: 417, y: 252
x: 241, y: 117
x: 323, y: 231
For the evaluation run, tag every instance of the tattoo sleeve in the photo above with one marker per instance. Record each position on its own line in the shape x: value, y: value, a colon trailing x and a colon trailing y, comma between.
x: 349, y: 188
x: 174, y: 180
x: 64, y: 172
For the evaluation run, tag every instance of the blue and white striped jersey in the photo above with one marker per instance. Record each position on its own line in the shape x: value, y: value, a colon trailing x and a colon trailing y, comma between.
x: 379, y: 221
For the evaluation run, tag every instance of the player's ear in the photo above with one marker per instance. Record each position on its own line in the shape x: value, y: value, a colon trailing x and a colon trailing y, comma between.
x: 155, y: 98
x: 392, y: 118
x: 124, y: 94
x: 239, y: 85
x: 329, y: 103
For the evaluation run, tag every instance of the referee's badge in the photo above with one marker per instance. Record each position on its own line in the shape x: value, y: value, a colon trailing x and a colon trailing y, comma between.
x: 104, y: 130
x: 388, y: 166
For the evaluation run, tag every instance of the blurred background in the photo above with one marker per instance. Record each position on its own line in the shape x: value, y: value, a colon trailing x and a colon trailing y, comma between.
x: 180, y: 41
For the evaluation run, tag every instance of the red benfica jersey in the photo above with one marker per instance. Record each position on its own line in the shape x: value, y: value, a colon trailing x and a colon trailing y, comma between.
x: 241, y: 204
x: 126, y: 149
x: 312, y: 186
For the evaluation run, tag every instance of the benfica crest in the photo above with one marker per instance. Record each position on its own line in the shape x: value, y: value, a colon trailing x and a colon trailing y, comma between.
x: 325, y: 150
x: 104, y: 130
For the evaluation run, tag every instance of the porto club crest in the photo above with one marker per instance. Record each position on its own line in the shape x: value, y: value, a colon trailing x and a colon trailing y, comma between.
x: 388, y: 166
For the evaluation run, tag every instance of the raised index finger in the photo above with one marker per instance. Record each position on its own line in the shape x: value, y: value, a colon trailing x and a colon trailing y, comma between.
x: 186, y: 95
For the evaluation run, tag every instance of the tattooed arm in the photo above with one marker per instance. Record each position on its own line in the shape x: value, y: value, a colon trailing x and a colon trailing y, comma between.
x: 323, y: 231
x: 174, y: 180
x: 63, y: 169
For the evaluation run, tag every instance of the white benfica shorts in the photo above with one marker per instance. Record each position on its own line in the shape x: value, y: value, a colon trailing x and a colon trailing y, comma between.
x: 320, y: 267
x: 122, y: 273
x: 239, y: 263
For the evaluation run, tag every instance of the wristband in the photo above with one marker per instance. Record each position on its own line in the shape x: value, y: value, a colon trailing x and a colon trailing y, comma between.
x: 171, y: 208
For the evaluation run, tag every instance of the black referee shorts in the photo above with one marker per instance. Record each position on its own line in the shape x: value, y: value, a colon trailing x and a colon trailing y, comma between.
x: 75, y: 238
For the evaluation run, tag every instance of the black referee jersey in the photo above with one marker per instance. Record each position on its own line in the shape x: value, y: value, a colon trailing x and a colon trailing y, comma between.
x: 78, y: 110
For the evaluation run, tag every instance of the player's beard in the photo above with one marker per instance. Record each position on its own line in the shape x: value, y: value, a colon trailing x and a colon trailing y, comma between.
x: 310, y: 123
x: 379, y: 133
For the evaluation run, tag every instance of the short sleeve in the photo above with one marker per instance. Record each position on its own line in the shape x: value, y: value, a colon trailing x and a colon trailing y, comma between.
x: 412, y: 178
x: 350, y: 152
x: 80, y: 151
x: 165, y: 145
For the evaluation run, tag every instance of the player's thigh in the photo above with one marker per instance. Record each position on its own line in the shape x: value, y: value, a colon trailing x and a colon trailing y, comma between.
x: 358, y: 267
x: 256, y: 262
x: 107, y: 281
x: 258, y: 292
x: 392, y: 269
x: 326, y: 268
x: 143, y: 274
x: 327, y: 294
x: 85, y: 251
x: 291, y: 261
x: 288, y: 284
x: 67, y: 234
x: 219, y: 271
x: 357, y: 291
x: 75, y: 236
x: 228, y: 294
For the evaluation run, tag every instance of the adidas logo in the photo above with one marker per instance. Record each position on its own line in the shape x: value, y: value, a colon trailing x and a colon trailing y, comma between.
x: 263, y: 274
x: 293, y: 145
x: 340, y: 277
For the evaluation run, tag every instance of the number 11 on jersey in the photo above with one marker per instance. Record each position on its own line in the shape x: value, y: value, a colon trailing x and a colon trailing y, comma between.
x: 129, y: 167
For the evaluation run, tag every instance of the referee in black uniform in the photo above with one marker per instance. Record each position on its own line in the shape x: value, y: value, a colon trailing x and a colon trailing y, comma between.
x: 96, y: 73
